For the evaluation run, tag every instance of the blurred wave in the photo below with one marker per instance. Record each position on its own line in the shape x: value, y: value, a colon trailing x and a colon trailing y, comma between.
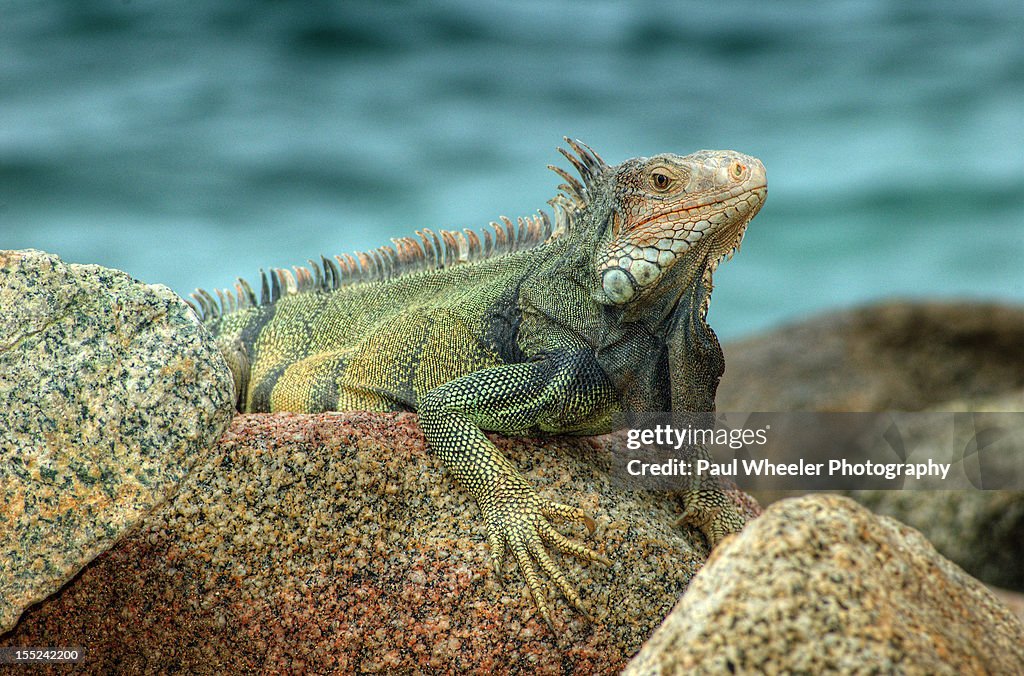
x: 189, y: 144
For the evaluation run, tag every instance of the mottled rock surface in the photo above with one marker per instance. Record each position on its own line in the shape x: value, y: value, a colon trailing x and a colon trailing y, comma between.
x: 337, y: 542
x: 109, y: 391
x: 904, y: 356
x: 818, y: 585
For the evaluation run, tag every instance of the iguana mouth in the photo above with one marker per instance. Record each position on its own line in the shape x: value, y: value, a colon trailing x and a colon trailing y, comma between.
x: 696, y: 208
x: 728, y: 241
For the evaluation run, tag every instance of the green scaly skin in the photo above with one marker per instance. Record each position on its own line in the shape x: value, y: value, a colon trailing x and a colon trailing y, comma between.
x: 604, y: 317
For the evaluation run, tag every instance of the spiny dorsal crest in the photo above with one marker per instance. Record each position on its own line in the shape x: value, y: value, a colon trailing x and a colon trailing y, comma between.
x: 590, y: 167
x: 432, y: 251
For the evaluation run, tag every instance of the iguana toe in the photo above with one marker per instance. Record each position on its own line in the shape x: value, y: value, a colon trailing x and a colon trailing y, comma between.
x: 713, y: 513
x: 497, y: 553
x: 554, y: 510
x: 541, y: 556
x: 520, y: 526
x: 533, y: 585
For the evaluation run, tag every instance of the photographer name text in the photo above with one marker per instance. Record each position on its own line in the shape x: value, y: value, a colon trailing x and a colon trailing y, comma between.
x: 738, y: 467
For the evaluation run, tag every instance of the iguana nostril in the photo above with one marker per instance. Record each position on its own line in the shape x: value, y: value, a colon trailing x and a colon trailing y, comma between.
x: 617, y: 286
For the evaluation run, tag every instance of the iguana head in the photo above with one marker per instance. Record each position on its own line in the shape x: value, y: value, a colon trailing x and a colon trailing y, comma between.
x: 656, y: 215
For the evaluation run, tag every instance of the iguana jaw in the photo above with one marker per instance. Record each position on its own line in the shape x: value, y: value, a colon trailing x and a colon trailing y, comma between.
x: 670, y: 208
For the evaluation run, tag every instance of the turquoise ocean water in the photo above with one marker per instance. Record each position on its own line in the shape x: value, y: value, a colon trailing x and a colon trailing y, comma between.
x: 189, y: 143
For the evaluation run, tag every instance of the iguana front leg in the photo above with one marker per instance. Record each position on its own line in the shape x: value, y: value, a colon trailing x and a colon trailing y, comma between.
x: 515, y: 399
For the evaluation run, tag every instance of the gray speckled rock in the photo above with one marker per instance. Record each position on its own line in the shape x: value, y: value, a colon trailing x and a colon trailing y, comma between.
x: 109, y: 390
x: 819, y: 584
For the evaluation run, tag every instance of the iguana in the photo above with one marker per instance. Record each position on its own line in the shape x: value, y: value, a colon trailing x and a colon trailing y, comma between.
x: 534, y: 327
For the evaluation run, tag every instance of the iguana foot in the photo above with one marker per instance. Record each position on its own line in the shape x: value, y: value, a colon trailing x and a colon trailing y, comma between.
x: 517, y: 522
x: 713, y: 513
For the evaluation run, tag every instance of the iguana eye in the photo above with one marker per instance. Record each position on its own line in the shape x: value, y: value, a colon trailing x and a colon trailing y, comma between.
x: 660, y: 181
x: 736, y: 170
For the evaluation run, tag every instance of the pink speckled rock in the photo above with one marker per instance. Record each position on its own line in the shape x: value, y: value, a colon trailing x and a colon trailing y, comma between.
x: 337, y: 543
